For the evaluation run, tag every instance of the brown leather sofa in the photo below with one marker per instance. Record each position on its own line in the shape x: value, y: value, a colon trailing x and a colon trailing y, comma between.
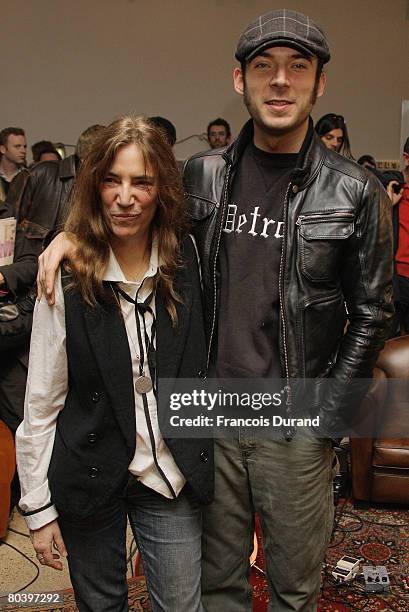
x: 380, y: 465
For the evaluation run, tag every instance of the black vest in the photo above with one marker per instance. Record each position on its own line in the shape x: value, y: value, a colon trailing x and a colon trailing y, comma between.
x: 95, y: 435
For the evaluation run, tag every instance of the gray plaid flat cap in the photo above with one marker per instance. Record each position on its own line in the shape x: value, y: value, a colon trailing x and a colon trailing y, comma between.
x: 282, y: 28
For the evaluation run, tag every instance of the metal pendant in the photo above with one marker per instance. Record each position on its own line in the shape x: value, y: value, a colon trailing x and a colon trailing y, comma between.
x: 143, y: 384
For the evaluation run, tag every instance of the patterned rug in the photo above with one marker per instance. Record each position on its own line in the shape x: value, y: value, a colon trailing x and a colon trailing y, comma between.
x: 138, y: 600
x: 380, y: 537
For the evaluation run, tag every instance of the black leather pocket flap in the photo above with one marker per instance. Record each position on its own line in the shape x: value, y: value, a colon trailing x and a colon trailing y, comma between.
x: 328, y: 229
x: 34, y: 231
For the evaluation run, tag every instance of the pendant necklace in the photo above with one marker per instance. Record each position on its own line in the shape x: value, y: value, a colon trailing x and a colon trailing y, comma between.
x: 143, y: 383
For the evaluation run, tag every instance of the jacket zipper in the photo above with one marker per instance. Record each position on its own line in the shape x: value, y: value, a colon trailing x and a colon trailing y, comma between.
x: 313, y: 217
x: 223, y: 207
x: 288, y: 433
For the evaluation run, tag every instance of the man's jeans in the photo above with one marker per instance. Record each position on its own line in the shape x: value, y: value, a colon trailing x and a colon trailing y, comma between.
x: 167, y: 532
x: 289, y: 485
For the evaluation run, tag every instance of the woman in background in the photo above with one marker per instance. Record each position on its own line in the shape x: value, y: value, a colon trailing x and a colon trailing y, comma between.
x: 333, y: 132
x: 90, y: 450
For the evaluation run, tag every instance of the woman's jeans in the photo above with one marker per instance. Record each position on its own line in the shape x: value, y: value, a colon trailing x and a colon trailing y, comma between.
x: 168, y: 534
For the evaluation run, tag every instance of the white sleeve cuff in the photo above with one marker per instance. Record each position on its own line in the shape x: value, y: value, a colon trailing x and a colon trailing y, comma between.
x: 35, y: 521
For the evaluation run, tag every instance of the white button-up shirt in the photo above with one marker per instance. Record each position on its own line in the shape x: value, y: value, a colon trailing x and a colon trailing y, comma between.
x: 47, y: 387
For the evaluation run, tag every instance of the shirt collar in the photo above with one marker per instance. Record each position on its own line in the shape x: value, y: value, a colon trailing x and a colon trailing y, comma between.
x: 114, y: 274
x: 3, y: 176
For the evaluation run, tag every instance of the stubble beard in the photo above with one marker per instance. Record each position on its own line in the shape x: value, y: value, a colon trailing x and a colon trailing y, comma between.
x: 268, y: 129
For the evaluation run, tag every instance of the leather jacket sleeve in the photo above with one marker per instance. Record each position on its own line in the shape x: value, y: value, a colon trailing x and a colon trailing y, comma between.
x: 19, y: 279
x: 15, y: 333
x: 16, y: 193
x: 367, y: 286
x: 36, y: 208
x: 21, y: 274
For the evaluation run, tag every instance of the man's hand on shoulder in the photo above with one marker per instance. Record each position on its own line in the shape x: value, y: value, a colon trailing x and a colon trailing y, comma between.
x: 61, y: 247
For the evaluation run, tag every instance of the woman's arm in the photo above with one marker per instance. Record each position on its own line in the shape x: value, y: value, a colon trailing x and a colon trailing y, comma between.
x: 46, y: 390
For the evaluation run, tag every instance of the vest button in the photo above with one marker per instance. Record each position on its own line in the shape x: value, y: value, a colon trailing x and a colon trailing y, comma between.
x: 93, y: 472
x: 95, y: 397
x: 92, y: 437
x: 204, y: 456
x: 295, y: 189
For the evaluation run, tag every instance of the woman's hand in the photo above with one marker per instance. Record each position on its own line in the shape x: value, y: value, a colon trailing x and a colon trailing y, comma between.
x: 44, y: 539
x: 61, y: 247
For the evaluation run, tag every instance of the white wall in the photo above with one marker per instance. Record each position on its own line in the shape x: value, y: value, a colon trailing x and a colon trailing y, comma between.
x: 66, y: 65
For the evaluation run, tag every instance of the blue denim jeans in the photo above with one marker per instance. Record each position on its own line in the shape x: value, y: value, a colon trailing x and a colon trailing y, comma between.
x: 168, y: 533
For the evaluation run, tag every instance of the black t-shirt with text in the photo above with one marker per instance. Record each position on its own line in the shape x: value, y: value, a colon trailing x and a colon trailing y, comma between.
x: 248, y: 325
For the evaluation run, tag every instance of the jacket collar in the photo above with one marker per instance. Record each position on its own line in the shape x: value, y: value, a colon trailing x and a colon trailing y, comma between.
x: 310, y: 157
x: 68, y: 167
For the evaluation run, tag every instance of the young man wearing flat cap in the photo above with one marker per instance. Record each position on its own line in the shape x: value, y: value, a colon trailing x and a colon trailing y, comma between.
x: 288, y: 233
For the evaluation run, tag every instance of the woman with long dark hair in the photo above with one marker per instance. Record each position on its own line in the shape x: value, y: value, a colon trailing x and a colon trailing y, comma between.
x: 333, y: 132
x: 90, y: 451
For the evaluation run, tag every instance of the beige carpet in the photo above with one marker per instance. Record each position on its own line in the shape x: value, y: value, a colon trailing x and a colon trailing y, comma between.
x: 19, y: 567
x: 137, y: 598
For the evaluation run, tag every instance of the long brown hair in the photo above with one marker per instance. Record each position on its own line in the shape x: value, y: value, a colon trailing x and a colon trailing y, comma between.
x: 86, y: 219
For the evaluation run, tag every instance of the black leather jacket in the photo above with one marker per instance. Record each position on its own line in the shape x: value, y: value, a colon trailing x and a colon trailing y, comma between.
x: 336, y: 255
x: 37, y: 199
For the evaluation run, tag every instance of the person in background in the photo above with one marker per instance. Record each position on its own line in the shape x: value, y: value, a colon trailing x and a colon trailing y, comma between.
x: 90, y: 451
x: 218, y: 133
x: 393, y: 181
x: 13, y: 150
x: 38, y: 194
x: 44, y: 150
x: 168, y: 128
x: 333, y: 132
x: 400, y: 187
x: 39, y: 207
x: 16, y: 305
x: 406, y: 161
x: 368, y: 161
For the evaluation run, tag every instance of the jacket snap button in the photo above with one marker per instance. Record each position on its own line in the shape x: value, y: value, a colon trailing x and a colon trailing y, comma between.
x: 93, y: 472
x: 204, y: 456
x: 295, y: 189
x: 92, y: 437
x: 95, y: 397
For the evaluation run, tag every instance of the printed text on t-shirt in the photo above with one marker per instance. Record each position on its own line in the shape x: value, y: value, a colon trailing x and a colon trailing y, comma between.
x: 251, y: 223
